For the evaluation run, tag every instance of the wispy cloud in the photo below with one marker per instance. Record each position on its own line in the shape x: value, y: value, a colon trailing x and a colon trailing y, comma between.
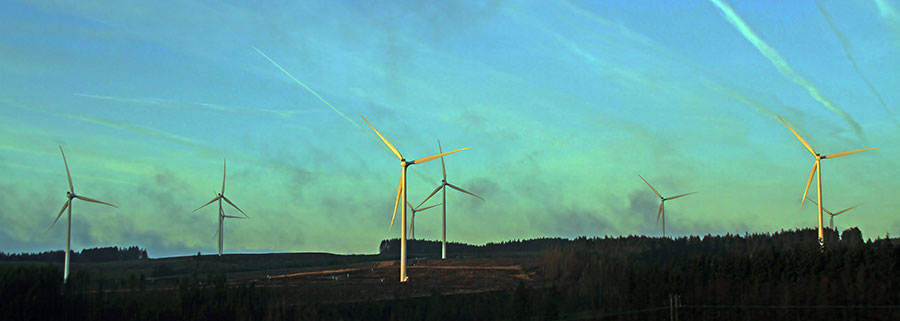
x: 845, y: 43
x: 171, y: 103
x: 165, y: 136
x: 889, y: 14
x: 310, y: 90
x: 781, y: 64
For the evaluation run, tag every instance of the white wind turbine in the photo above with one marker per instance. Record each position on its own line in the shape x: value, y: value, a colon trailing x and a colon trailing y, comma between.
x: 831, y: 221
x: 817, y: 172
x: 412, y: 223
x: 442, y: 187
x: 220, y: 197
x: 401, y: 189
x: 70, y: 195
x: 662, y: 211
x: 222, y: 217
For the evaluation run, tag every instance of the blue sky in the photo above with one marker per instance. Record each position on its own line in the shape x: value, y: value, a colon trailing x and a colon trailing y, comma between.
x: 562, y: 102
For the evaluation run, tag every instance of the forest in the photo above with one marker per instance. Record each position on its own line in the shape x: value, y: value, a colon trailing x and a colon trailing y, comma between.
x: 99, y: 254
x: 772, y: 276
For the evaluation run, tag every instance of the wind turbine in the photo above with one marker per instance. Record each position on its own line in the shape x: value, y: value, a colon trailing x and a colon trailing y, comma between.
x: 222, y: 216
x: 444, y: 207
x: 412, y: 223
x: 401, y: 189
x: 662, y: 210
x: 219, y: 197
x: 70, y: 195
x: 817, y: 171
x: 831, y: 221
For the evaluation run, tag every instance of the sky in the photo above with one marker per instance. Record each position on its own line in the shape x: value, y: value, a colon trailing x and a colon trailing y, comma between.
x: 563, y: 103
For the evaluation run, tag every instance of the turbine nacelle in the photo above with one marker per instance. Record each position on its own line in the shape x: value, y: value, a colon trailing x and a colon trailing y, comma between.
x: 401, y: 192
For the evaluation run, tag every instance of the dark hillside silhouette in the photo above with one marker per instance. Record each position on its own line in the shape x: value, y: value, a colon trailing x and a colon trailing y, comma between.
x: 778, y: 276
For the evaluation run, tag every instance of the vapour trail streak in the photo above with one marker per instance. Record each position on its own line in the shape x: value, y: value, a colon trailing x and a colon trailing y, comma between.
x: 889, y: 14
x: 307, y: 88
x: 781, y: 64
x: 845, y: 43
x: 168, y: 103
x: 759, y: 107
x: 116, y: 125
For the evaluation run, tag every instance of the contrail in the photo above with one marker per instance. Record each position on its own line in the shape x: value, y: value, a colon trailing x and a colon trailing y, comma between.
x: 781, y: 64
x: 115, y: 125
x: 169, y: 103
x: 307, y: 88
x: 890, y: 15
x: 845, y: 43
x: 759, y: 107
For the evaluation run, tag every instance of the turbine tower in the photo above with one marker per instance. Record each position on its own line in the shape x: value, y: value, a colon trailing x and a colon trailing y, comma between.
x: 412, y: 223
x: 817, y: 172
x: 68, y: 204
x: 401, y: 189
x: 831, y: 220
x: 662, y: 211
x: 220, y: 197
x: 444, y: 207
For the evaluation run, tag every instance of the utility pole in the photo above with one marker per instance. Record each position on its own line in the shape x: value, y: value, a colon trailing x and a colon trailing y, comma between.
x: 674, y: 304
x: 671, y: 307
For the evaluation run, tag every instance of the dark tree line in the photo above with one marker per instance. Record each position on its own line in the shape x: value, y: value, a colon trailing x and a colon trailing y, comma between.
x: 782, y: 276
x: 391, y: 248
x: 99, y: 254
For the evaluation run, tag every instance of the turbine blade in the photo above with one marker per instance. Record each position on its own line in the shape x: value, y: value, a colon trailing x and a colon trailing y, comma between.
x: 429, y: 158
x: 68, y: 175
x: 811, y: 174
x: 410, y: 206
x: 685, y: 194
x: 432, y: 194
x: 235, y: 206
x: 397, y: 200
x: 651, y: 186
x: 464, y: 191
x: 210, y: 202
x: 848, y: 153
x: 849, y: 208
x: 823, y: 208
x: 664, y: 221
x: 811, y: 151
x: 384, y: 139
x: 443, y: 168
x: 422, y: 209
x: 223, y: 176
x: 412, y: 225
x: 83, y: 198
x: 65, y: 205
x: 232, y: 216
x: 659, y: 213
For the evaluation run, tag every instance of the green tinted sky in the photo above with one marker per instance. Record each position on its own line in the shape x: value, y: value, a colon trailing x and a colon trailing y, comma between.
x: 563, y: 104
